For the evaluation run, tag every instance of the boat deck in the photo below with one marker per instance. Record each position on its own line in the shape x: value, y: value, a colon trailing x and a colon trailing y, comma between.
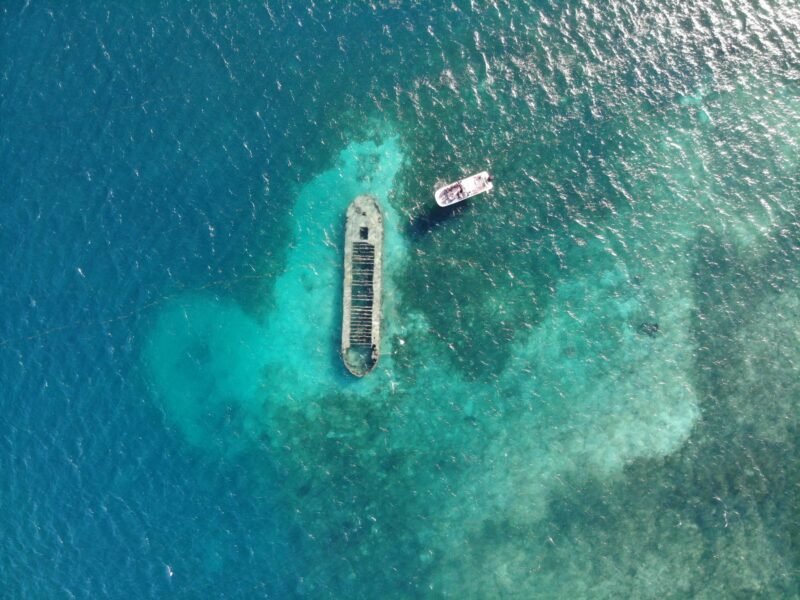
x: 459, y: 191
x: 361, y: 306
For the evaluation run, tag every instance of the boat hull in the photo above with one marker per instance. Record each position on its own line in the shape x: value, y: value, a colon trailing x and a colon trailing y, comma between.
x: 361, y: 303
x: 458, y: 191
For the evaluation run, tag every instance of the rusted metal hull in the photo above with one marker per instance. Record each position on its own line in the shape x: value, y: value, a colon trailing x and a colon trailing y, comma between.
x: 361, y: 314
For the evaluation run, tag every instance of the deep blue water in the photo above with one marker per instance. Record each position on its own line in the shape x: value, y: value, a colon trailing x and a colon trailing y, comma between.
x: 590, y: 378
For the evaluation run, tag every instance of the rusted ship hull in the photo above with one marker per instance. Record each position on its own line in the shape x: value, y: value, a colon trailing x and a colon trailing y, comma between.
x: 363, y: 256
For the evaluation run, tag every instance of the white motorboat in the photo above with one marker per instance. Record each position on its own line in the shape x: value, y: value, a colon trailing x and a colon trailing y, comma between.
x: 452, y: 193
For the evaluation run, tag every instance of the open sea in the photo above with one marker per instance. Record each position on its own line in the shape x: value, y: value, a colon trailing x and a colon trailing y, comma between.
x: 589, y: 385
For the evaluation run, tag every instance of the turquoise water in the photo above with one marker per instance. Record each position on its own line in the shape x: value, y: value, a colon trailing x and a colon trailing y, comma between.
x: 589, y: 378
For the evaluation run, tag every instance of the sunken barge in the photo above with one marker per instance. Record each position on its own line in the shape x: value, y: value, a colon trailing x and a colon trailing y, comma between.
x: 361, y: 306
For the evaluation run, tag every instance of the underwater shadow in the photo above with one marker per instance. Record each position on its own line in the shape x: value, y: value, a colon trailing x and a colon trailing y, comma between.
x: 427, y: 221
